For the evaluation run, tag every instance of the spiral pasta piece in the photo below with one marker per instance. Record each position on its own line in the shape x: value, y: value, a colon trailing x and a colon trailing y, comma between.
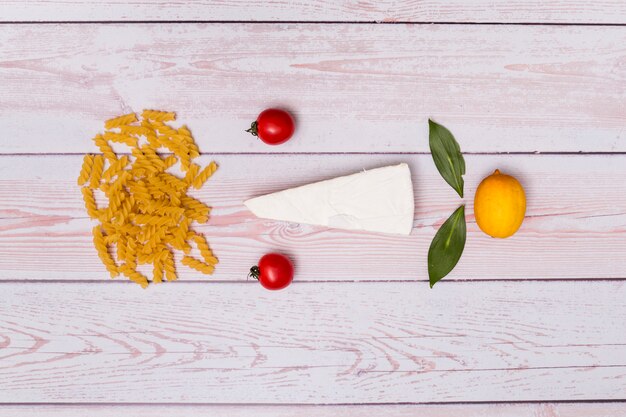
x: 180, y: 237
x: 192, y: 172
x: 197, y: 265
x: 204, y: 248
x: 169, y: 266
x: 123, y: 120
x: 195, y: 209
x: 149, y: 213
x: 157, y: 271
x: 85, y: 171
x: 173, y: 182
x: 134, y: 275
x: 115, y: 168
x: 103, y: 252
x: 96, y: 172
x: 105, y: 148
x: 120, y: 138
x: 170, y: 161
x: 158, y: 116
x: 204, y: 175
x: 120, y: 244
x: 135, y: 130
x: 90, y: 203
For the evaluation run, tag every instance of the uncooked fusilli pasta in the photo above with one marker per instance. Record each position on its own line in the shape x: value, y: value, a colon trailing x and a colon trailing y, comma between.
x: 149, y: 213
x: 197, y: 265
x: 105, y: 148
x: 85, y: 172
x: 204, y: 175
x: 96, y: 171
x: 158, y: 116
x: 124, y: 120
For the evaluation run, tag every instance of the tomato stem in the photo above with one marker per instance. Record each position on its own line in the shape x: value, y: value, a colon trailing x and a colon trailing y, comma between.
x: 254, y: 131
x: 255, y: 272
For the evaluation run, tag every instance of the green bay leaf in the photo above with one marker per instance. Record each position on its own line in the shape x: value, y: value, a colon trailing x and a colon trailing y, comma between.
x: 446, y: 153
x: 447, y: 246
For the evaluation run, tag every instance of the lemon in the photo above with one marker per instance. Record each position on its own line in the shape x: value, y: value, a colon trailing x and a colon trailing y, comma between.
x: 499, y: 205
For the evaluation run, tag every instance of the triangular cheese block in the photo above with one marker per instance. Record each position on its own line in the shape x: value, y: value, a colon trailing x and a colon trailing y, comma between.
x: 379, y: 200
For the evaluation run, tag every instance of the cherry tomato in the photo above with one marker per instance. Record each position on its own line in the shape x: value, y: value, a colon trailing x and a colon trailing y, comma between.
x: 273, y: 126
x: 274, y: 272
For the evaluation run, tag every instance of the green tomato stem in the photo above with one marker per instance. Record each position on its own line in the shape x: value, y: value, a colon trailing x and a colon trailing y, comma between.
x: 253, y: 129
x: 255, y: 272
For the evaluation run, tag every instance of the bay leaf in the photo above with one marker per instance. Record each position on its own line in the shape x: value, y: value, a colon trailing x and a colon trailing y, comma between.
x: 446, y: 153
x: 447, y: 246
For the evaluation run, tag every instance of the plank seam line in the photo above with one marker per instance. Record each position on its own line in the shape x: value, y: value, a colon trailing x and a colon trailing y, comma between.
x: 586, y: 367
x: 581, y: 153
x: 174, y: 404
x: 317, y: 282
x: 303, y: 22
x: 532, y: 368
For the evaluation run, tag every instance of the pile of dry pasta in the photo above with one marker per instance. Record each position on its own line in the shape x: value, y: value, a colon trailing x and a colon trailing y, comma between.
x: 149, y: 213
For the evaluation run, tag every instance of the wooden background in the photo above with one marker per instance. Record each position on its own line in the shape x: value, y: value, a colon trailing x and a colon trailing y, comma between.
x: 530, y: 326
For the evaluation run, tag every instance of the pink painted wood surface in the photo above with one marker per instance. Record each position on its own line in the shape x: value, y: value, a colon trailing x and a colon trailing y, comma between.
x: 314, y: 343
x: 517, y: 11
x: 575, y: 225
x: 353, y: 88
x: 465, y: 410
x: 365, y: 88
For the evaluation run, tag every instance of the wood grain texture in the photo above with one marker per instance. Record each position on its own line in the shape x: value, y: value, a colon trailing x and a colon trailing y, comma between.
x: 320, y: 343
x: 517, y: 11
x: 466, y: 410
x: 575, y: 225
x: 352, y: 88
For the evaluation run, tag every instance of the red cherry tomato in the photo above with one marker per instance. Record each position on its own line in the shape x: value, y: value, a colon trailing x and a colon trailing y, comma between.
x: 274, y: 272
x: 273, y: 126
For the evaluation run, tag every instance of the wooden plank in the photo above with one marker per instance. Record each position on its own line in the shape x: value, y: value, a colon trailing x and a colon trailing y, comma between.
x: 320, y: 343
x: 467, y: 410
x: 517, y: 11
x: 575, y: 225
x: 352, y: 88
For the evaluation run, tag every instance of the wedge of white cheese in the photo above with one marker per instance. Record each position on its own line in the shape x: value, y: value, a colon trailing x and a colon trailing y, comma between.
x: 379, y: 200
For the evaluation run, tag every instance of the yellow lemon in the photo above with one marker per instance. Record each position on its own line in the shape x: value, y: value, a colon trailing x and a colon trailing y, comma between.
x: 499, y: 205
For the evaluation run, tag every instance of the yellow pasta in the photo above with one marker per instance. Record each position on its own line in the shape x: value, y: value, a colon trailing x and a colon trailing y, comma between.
x: 115, y: 203
x: 85, y: 171
x: 96, y: 171
x: 90, y: 203
x: 149, y: 214
x: 204, y: 175
x: 158, y: 116
x: 197, y: 265
x: 150, y: 155
x: 169, y: 266
x: 195, y: 209
x: 121, y: 246
x: 115, y: 168
x: 173, y: 182
x: 121, y: 138
x: 135, y: 130
x: 192, y: 173
x: 105, y: 148
x: 179, y: 240
x: 170, y: 161
x: 166, y: 131
x: 126, y: 119
x: 185, y: 132
x: 140, y: 191
x: 204, y: 248
x: 157, y: 271
x: 103, y: 252
x: 135, y: 276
